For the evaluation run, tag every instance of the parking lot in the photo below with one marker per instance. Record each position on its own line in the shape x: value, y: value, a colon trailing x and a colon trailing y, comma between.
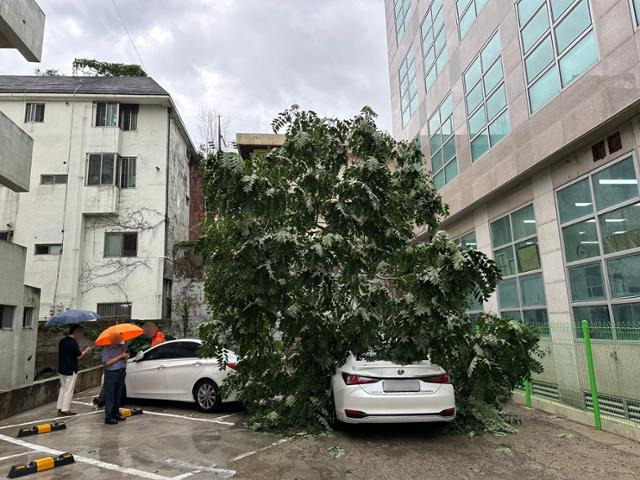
x: 178, y: 442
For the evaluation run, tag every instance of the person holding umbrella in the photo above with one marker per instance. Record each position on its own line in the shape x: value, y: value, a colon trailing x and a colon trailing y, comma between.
x: 68, y: 356
x: 114, y: 359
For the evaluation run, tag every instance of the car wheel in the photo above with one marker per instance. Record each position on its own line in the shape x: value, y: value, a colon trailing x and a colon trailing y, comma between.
x: 333, y: 418
x: 205, y: 393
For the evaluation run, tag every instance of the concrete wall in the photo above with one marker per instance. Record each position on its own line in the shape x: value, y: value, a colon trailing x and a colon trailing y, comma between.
x: 18, y: 344
x: 16, y: 148
x: 79, y: 215
x: 22, y: 27
x: 189, y: 305
x: 21, y: 399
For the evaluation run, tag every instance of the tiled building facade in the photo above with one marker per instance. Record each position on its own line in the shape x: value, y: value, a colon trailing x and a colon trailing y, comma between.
x: 527, y: 112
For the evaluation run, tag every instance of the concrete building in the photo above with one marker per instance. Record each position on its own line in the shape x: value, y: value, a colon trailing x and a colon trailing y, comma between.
x: 527, y: 114
x: 21, y: 28
x: 109, y: 192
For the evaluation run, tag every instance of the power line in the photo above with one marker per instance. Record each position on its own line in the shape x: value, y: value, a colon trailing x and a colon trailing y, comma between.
x: 128, y: 34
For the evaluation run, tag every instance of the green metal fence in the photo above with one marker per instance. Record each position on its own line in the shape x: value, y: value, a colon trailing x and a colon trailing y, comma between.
x: 594, y: 368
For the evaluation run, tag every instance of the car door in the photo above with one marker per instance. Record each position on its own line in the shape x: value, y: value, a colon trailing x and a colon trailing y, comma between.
x: 183, y: 370
x: 146, y: 377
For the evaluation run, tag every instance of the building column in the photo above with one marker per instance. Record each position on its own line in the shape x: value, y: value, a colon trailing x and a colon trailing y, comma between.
x: 560, y: 352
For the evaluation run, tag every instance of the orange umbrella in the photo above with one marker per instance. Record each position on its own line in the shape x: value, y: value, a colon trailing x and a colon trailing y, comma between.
x: 128, y: 331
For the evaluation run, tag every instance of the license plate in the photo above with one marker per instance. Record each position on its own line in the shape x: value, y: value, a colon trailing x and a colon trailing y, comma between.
x: 401, y: 385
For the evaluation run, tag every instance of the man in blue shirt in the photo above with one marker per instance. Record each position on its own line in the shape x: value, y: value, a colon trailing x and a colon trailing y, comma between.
x: 114, y: 359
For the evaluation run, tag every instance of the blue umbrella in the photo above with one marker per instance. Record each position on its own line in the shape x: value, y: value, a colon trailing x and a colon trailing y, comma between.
x: 71, y: 317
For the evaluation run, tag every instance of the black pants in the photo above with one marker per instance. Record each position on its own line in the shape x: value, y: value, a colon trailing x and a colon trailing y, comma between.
x: 113, y: 389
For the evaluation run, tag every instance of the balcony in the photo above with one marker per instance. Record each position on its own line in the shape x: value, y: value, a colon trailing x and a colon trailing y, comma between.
x: 100, y: 200
x: 22, y: 28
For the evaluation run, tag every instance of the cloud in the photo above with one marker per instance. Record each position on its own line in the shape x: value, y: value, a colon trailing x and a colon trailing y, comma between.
x: 247, y: 59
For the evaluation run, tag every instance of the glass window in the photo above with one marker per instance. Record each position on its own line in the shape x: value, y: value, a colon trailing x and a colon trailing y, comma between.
x: 575, y: 201
x: 6, y: 317
x: 468, y: 10
x: 505, y: 261
x: 537, y: 319
x: 402, y: 13
x: 539, y: 59
x: 563, y: 22
x: 100, y: 170
x: 636, y: 11
x: 444, y: 164
x: 469, y: 241
x: 544, y: 89
x: 532, y: 290
x: 34, y: 113
x: 578, y: 59
x: 408, y: 87
x: 615, y: 184
x: 620, y: 229
x: 586, y: 282
x: 528, y: 257
x: 508, y: 293
x: 106, y: 114
x: 627, y: 318
x: 581, y: 241
x: 524, y: 222
x: 624, y: 276
x: 487, y: 115
x: 434, y: 43
x: 121, y: 244
x: 538, y: 25
x: 527, y: 8
x: 500, y: 231
x: 128, y: 116
x: 598, y: 318
x: 602, y: 251
x: 572, y: 25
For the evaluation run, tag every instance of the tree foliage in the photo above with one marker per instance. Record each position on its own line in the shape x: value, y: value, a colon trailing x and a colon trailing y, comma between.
x: 94, y: 67
x: 311, y: 254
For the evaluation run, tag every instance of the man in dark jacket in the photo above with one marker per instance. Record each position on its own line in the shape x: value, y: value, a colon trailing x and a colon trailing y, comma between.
x: 68, y: 355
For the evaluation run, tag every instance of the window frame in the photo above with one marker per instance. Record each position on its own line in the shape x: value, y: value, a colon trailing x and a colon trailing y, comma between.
x: 440, y: 148
x: 485, y: 97
x: 118, y: 318
x: 557, y: 57
x: 519, y: 275
x: 95, y: 114
x: 48, y: 246
x: 602, y: 259
x: 31, y: 116
x: 54, y: 178
x: 12, y: 313
x: 411, y: 76
x: 437, y: 54
x: 115, y: 169
x: 131, y: 111
x: 635, y: 17
x: 120, y: 171
x: 405, y: 17
x: 27, y: 310
x: 460, y: 15
x: 122, y: 250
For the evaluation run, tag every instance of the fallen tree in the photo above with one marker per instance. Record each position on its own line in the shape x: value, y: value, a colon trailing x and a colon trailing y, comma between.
x: 311, y: 254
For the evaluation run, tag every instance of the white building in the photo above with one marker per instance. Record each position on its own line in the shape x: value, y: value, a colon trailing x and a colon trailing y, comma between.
x: 109, y: 192
x: 22, y: 29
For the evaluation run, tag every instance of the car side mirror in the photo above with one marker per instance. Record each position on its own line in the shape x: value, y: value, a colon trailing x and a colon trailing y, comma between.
x: 138, y: 356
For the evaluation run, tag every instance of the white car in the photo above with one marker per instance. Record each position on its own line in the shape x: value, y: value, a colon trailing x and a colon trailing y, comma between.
x: 173, y: 371
x: 375, y: 391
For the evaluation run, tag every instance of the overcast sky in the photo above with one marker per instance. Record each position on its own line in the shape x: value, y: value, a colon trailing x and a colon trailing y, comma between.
x: 247, y: 59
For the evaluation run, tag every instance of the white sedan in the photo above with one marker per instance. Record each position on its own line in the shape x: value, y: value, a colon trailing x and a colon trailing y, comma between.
x: 375, y: 391
x: 173, y: 371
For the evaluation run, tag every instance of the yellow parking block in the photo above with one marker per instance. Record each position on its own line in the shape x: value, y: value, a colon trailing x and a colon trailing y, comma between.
x: 42, y: 428
x: 40, y: 465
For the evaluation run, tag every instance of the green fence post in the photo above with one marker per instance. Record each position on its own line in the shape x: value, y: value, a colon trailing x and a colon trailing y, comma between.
x: 592, y: 374
x: 527, y: 392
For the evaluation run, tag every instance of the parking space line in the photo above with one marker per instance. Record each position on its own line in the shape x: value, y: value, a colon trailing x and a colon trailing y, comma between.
x: 87, y: 460
x: 45, y: 420
x: 253, y: 452
x: 174, y: 415
x: 2, y: 459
